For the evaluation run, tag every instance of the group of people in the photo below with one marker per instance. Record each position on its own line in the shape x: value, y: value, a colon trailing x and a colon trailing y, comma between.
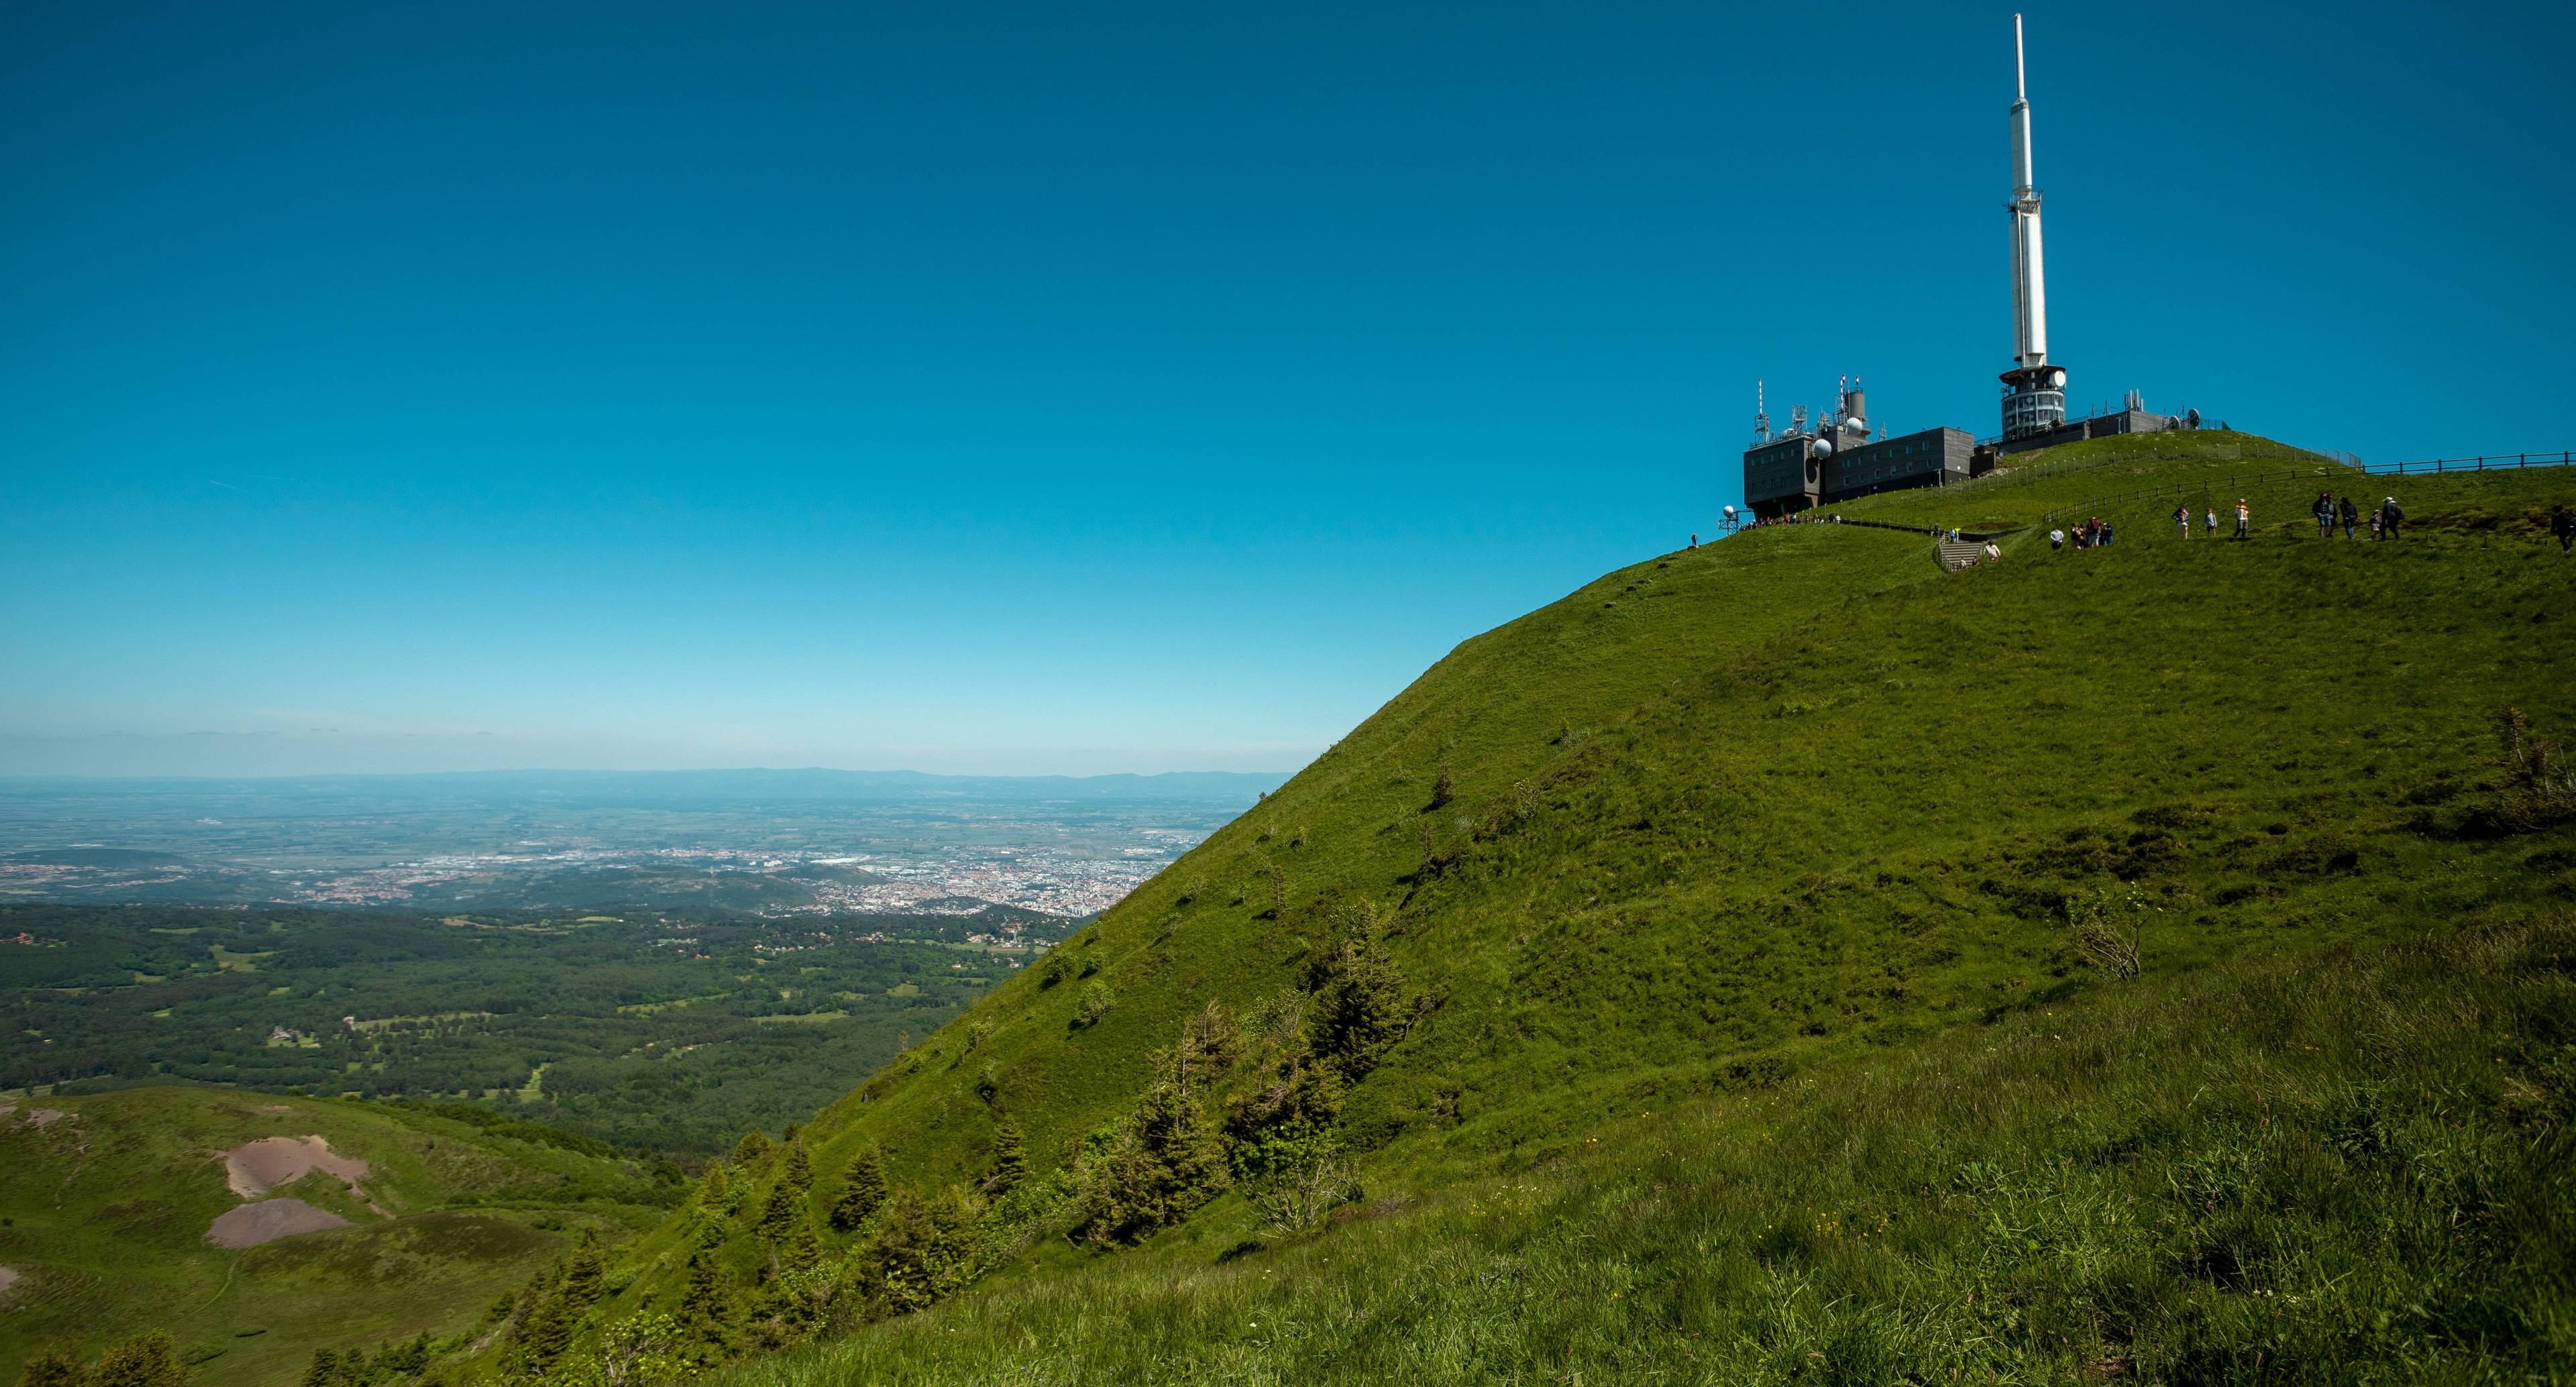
x: 2092, y: 534
x: 2331, y: 510
x: 2328, y: 510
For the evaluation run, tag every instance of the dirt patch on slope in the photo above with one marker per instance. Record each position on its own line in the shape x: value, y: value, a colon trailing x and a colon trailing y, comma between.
x: 8, y: 1278
x: 256, y: 1167
x: 249, y: 1225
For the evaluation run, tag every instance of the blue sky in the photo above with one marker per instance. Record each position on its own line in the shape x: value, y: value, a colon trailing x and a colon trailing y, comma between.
x: 1091, y: 388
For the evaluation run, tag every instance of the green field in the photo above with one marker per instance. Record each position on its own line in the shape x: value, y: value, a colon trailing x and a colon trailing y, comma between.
x: 106, y: 1205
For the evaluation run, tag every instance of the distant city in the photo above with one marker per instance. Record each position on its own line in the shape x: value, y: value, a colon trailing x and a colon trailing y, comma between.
x: 762, y: 848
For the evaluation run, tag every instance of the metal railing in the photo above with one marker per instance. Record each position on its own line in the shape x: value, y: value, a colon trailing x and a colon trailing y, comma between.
x: 2488, y: 462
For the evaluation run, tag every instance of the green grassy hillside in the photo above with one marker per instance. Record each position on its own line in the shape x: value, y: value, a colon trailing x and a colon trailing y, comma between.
x: 1794, y: 844
x: 107, y: 1201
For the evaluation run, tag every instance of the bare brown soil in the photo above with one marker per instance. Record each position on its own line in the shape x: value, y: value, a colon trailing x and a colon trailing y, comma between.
x: 254, y: 1168
x: 249, y: 1225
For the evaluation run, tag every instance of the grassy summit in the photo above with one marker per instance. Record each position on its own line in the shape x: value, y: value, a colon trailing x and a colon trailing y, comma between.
x: 1784, y: 959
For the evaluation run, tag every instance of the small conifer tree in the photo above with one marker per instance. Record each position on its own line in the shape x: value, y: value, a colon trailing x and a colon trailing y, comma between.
x: 706, y: 1318
x: 146, y: 1360
x: 1445, y: 788
x: 546, y: 1334
x: 53, y: 1367
x: 799, y: 1170
x: 863, y: 1192
x: 754, y: 1150
x: 324, y: 1370
x: 1010, y: 1158
x: 780, y: 1213
x: 584, y: 1271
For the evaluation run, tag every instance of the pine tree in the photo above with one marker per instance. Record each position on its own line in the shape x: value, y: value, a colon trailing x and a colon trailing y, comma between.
x: 54, y: 1367
x: 707, y: 1309
x: 324, y: 1370
x: 799, y: 1170
x: 532, y: 1298
x: 715, y: 1191
x: 801, y: 1252
x: 1010, y: 1158
x: 863, y: 1192
x: 407, y: 1360
x: 754, y: 1150
x: 1445, y: 788
x: 584, y: 1271
x: 1169, y: 1161
x: 1362, y: 1005
x: 146, y: 1360
x: 779, y: 1215
x: 547, y: 1333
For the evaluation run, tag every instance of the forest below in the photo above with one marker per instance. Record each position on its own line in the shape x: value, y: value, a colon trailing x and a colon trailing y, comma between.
x: 654, y: 1032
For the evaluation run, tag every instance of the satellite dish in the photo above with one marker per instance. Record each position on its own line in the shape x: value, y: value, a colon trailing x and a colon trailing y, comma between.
x: 1730, y: 510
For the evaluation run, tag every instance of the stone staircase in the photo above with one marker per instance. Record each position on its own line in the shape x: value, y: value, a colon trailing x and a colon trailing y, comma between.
x: 1957, y: 554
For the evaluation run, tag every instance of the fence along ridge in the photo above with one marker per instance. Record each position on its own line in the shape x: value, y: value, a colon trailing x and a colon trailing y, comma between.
x: 2495, y: 462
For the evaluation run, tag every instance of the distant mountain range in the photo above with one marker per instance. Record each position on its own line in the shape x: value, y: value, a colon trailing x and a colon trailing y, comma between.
x: 685, y: 789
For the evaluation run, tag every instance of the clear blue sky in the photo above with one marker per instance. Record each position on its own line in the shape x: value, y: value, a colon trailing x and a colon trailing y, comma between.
x: 1087, y: 387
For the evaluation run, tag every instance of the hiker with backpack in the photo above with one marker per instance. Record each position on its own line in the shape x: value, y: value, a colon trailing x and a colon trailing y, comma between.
x: 2347, y: 513
x: 2182, y: 519
x: 2562, y: 523
x: 2389, y: 518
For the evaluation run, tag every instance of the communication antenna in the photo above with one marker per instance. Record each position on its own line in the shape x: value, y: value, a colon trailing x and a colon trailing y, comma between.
x: 1761, y: 420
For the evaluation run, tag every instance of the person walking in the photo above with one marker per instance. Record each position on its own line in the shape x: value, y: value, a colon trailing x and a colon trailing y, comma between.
x: 2210, y: 524
x: 2324, y: 510
x: 2106, y: 534
x: 2056, y: 539
x: 2244, y: 519
x: 2562, y: 523
x: 2182, y: 519
x: 2347, y: 513
x: 2389, y: 518
x: 2374, y: 522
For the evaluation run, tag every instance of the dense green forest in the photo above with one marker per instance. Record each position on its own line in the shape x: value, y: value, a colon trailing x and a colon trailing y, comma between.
x: 663, y: 1032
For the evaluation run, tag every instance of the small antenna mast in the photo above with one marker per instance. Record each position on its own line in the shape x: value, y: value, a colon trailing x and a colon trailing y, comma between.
x: 2021, y: 88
